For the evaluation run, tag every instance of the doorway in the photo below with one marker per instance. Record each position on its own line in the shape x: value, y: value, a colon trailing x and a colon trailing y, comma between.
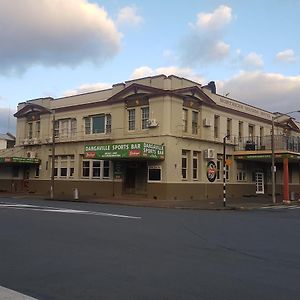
x: 259, y: 183
x: 135, y: 181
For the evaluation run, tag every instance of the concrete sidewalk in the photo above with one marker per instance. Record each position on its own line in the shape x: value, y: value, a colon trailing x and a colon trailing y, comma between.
x: 243, y: 203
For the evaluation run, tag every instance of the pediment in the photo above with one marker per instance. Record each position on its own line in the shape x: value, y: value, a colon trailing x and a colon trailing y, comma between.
x: 30, y: 109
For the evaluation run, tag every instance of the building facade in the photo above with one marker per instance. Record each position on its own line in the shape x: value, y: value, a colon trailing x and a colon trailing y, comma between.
x: 160, y: 137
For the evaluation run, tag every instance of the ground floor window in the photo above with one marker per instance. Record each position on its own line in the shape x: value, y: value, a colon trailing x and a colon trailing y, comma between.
x: 96, y: 169
x: 184, y: 164
x: 195, y: 165
x: 154, y: 173
x: 64, y: 166
x: 241, y: 176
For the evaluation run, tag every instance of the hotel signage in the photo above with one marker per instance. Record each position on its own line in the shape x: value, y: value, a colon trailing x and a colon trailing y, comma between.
x: 125, y: 150
x: 24, y: 160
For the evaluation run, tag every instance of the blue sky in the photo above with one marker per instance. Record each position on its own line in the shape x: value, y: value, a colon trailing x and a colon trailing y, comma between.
x: 59, y: 47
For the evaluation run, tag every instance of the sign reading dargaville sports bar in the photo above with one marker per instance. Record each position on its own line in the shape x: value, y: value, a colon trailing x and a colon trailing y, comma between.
x: 125, y: 150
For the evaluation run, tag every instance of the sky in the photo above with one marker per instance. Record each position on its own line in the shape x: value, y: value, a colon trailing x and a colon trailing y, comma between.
x: 250, y: 48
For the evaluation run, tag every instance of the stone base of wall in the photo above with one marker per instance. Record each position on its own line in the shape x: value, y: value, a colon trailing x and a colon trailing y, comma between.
x: 64, y: 189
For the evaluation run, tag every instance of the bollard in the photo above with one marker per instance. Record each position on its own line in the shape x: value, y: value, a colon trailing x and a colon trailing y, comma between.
x: 75, y: 194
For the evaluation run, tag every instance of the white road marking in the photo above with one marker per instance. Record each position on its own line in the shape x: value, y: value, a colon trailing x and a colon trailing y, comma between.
x: 7, y: 294
x: 63, y: 210
x: 281, y: 207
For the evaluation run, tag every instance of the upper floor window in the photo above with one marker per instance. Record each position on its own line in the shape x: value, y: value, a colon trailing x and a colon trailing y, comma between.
x: 251, y: 131
x: 131, y: 119
x: 229, y: 128
x: 29, y: 127
x: 37, y: 129
x: 145, y: 117
x: 184, y: 119
x: 194, y: 122
x: 65, y: 128
x: 241, y: 128
x: 216, y: 126
x: 98, y: 124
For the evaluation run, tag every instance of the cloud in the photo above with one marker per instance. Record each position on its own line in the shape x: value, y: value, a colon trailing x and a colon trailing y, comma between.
x: 145, y: 71
x: 270, y: 91
x: 253, y: 61
x: 204, y: 43
x: 128, y: 16
x: 215, y: 20
x: 287, y: 55
x: 86, y: 88
x: 7, y: 120
x: 54, y: 32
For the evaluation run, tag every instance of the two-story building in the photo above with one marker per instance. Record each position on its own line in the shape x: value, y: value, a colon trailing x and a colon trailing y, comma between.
x: 158, y: 137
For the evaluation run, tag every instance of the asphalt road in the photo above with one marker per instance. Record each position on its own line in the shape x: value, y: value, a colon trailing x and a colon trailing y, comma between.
x: 61, y: 250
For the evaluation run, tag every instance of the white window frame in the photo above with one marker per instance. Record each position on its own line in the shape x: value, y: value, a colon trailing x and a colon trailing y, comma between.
x: 195, y: 169
x: 155, y: 168
x: 131, y: 119
x: 185, y: 113
x: 195, y: 121
x: 144, y: 117
x: 88, y: 124
x: 91, y: 166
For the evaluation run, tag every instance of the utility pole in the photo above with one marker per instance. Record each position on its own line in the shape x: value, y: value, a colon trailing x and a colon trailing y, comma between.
x: 224, y: 169
x: 53, y: 156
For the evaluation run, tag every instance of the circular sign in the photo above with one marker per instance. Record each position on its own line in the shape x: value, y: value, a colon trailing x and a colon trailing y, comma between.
x: 211, y: 171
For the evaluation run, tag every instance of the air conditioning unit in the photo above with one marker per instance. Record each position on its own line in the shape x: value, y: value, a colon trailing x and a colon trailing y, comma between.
x: 152, y: 123
x: 206, y: 122
x: 25, y: 142
x: 209, y: 153
x: 31, y: 154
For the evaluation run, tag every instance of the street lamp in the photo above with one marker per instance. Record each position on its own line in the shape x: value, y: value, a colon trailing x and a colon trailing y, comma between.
x: 273, y: 152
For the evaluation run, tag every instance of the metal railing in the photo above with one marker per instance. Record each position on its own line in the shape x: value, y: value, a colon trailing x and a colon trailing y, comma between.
x: 281, y: 142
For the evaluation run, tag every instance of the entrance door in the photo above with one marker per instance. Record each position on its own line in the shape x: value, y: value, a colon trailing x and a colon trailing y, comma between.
x: 260, y: 183
x: 135, y: 181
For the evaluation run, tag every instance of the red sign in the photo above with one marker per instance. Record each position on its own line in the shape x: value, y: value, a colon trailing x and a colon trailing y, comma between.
x: 134, y: 153
x: 90, y: 154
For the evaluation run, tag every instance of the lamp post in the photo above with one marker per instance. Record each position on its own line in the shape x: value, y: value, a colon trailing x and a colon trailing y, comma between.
x: 224, y: 168
x: 273, y: 152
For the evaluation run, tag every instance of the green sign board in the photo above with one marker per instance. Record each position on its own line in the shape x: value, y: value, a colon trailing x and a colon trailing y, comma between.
x: 139, y: 150
x: 22, y: 160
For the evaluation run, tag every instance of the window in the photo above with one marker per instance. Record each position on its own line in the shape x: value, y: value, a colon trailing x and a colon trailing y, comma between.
x: 184, y: 164
x: 98, y: 124
x: 106, y: 168
x: 37, y: 129
x: 251, y: 132
x: 29, y: 130
x: 218, y: 169
x: 154, y: 173
x: 184, y: 119
x: 108, y: 123
x: 195, y: 166
x: 96, y: 169
x: 241, y: 128
x: 37, y: 171
x: 229, y: 128
x: 216, y: 126
x: 65, y: 128
x: 64, y: 166
x: 131, y: 119
x: 86, y: 168
x: 194, y: 122
x: 241, y: 176
x: 145, y: 117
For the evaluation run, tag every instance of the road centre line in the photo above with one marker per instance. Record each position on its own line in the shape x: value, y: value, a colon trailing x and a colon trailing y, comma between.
x: 63, y: 210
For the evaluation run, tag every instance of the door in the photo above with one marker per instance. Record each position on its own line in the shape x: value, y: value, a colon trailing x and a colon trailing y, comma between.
x: 259, y: 181
x: 130, y: 177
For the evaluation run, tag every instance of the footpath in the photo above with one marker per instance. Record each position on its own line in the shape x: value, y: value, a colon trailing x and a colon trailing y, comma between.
x: 243, y: 203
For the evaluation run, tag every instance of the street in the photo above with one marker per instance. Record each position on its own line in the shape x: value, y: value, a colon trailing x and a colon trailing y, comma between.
x: 67, y: 250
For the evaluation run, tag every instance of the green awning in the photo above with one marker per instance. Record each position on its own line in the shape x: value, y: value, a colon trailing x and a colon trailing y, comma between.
x: 138, y: 150
x: 19, y: 160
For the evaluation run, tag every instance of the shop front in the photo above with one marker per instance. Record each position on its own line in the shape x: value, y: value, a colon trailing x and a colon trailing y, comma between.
x: 15, y: 173
x: 132, y: 163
